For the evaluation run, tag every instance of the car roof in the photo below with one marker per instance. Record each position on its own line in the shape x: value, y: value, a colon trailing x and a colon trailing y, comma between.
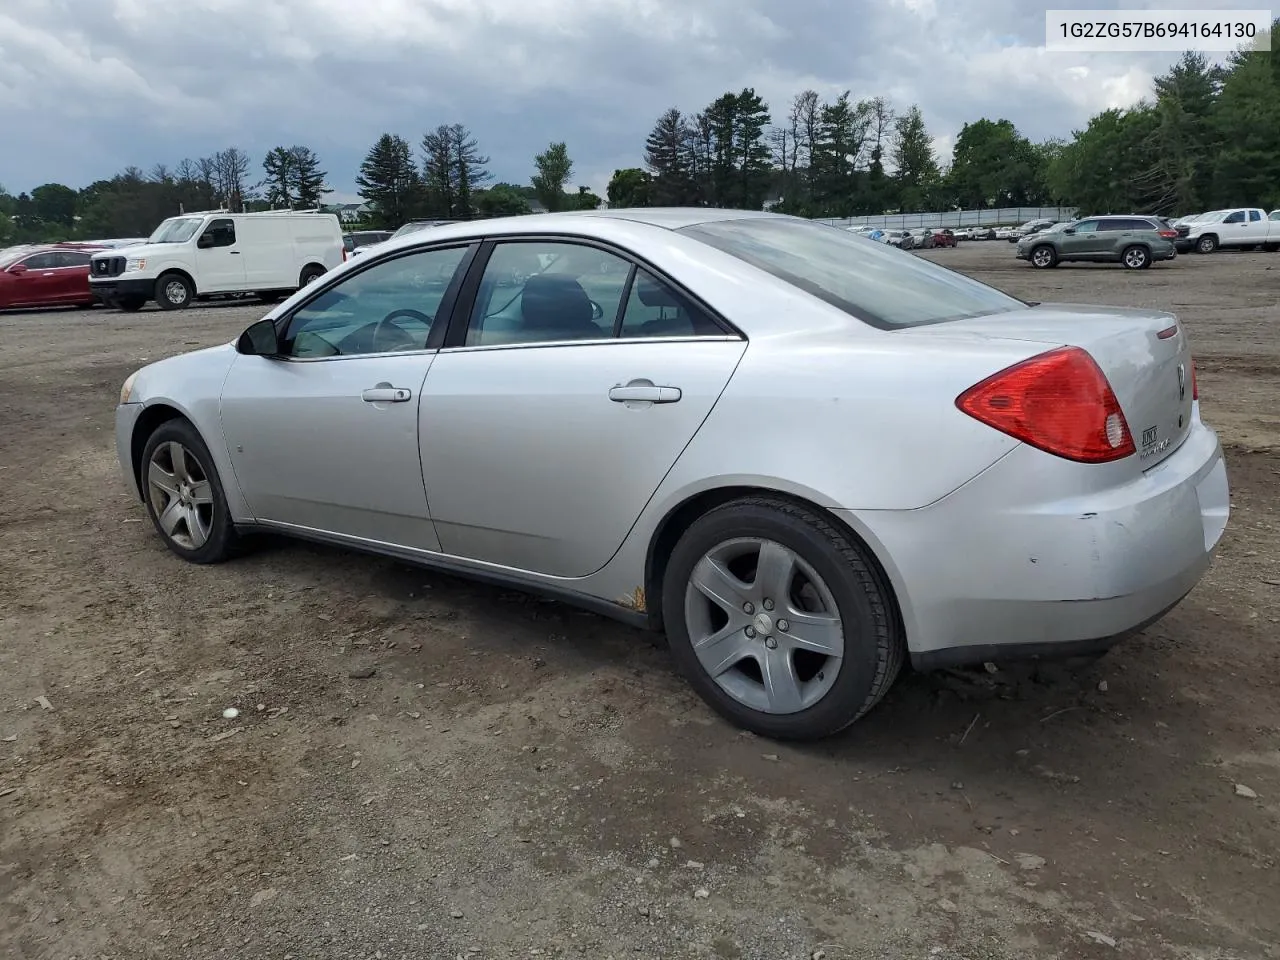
x: 584, y: 221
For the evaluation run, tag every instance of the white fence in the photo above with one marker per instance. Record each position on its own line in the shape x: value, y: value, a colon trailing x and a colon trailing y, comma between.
x: 957, y: 218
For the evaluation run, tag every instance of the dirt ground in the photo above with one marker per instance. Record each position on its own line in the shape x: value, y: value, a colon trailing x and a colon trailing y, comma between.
x: 518, y: 779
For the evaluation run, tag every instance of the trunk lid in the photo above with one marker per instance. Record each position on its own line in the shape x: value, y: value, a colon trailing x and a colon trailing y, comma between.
x: 1144, y: 354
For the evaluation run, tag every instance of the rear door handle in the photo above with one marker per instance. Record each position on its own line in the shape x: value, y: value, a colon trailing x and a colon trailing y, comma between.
x: 235, y: 253
x: 644, y: 391
x: 386, y: 395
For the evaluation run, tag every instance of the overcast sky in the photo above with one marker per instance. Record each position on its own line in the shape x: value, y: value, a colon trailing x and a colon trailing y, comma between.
x: 88, y: 87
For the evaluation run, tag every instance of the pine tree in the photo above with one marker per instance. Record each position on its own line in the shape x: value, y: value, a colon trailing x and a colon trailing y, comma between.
x: 388, y: 180
x: 279, y: 183
x: 470, y: 168
x: 309, y: 185
x: 916, y: 166
x: 669, y: 159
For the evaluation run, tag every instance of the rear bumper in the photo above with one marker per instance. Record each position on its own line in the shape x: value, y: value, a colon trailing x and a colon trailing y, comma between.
x: 111, y: 291
x: 1024, y: 561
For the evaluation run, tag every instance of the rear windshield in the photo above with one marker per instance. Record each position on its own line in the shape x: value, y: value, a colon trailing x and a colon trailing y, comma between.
x: 880, y: 285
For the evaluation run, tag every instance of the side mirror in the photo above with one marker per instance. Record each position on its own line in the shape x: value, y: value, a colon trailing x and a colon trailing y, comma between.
x: 18, y: 269
x: 205, y: 241
x: 1069, y: 230
x: 260, y: 340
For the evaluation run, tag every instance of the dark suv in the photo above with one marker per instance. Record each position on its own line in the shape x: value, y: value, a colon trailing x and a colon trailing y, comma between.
x: 1133, y: 241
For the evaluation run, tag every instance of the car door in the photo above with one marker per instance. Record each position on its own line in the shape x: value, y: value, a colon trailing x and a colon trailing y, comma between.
x: 219, y: 259
x: 1083, y: 242
x: 562, y: 397
x: 1234, y: 229
x: 38, y: 283
x: 73, y: 277
x: 1256, y: 227
x: 324, y: 437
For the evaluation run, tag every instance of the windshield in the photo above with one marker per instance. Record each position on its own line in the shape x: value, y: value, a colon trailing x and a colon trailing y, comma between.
x: 877, y: 284
x: 176, y: 230
x: 410, y: 228
x: 10, y: 255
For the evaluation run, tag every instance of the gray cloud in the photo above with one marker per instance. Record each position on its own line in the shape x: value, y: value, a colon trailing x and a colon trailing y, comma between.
x: 87, y: 88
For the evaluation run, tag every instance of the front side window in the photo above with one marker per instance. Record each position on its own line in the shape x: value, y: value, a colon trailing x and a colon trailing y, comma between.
x: 547, y: 291
x: 1087, y: 226
x: 1234, y: 217
x: 219, y: 233
x: 874, y: 284
x: 389, y: 307
x: 42, y: 261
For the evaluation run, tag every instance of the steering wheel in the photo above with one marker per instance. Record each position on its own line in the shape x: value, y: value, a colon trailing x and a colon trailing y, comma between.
x: 390, y: 318
x: 597, y: 311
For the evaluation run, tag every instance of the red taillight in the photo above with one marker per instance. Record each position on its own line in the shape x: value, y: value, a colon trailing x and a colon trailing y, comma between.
x: 1169, y: 234
x: 1059, y: 401
x: 1195, y: 387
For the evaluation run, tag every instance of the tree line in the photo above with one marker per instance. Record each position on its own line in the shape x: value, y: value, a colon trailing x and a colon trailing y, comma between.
x: 1207, y: 137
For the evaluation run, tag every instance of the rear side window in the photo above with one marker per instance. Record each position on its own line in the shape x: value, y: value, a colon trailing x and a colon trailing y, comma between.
x: 70, y: 258
x: 867, y: 280
x: 1254, y: 216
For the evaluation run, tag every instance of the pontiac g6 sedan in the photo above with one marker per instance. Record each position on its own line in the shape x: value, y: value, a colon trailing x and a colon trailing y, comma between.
x: 803, y: 456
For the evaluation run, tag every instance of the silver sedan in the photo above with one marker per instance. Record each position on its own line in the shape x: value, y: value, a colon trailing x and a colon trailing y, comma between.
x: 805, y: 457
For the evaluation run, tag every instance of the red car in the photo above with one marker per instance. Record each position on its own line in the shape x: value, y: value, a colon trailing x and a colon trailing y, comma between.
x: 46, y: 276
x: 944, y: 238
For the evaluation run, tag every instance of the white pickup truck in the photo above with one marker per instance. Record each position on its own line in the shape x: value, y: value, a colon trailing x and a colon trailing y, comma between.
x: 1241, y: 228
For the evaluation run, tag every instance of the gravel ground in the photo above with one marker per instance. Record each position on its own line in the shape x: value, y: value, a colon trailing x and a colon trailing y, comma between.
x: 427, y: 768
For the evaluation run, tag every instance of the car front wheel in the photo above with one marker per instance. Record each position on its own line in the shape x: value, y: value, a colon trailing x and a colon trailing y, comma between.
x: 1044, y: 256
x: 184, y: 495
x: 780, y: 620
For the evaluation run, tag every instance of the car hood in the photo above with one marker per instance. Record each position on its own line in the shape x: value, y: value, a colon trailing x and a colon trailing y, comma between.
x: 141, y: 250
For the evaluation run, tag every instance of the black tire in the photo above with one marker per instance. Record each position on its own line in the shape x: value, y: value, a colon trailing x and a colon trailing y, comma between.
x: 1135, y: 257
x: 874, y: 648
x: 130, y: 305
x: 310, y: 274
x: 1043, y: 256
x: 221, y: 540
x: 174, y: 292
x: 1207, y: 244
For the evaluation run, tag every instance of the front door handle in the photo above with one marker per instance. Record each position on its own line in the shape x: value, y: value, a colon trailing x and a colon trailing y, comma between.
x: 382, y: 394
x: 644, y: 391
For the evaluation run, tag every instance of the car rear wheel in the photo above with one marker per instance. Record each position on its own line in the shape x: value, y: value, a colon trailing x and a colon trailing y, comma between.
x: 1044, y: 256
x: 1207, y: 244
x: 1136, y: 258
x: 184, y: 495
x: 779, y: 619
x: 173, y: 292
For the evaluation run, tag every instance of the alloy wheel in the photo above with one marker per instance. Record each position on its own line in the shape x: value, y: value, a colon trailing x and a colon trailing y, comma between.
x: 764, y: 626
x: 1042, y: 257
x: 180, y: 495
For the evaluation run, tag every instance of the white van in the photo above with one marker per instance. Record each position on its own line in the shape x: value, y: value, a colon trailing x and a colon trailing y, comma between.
x: 197, y: 255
